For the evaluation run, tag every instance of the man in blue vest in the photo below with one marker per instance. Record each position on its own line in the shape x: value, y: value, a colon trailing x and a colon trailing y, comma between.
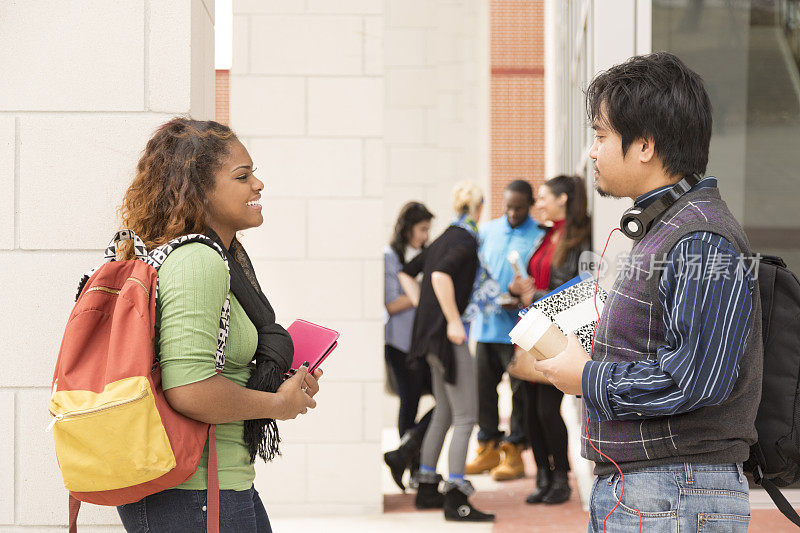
x: 673, y: 385
x: 517, y: 232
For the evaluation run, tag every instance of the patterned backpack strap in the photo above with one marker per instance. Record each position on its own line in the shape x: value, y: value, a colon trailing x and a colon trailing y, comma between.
x: 84, y: 280
x: 157, y: 257
x: 111, y: 254
x: 124, y: 235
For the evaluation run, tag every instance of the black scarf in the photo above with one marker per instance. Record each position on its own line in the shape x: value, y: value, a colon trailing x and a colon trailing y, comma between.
x: 274, y: 353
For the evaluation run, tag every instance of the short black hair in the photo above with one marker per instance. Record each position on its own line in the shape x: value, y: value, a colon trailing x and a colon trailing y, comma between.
x: 522, y: 187
x: 656, y: 96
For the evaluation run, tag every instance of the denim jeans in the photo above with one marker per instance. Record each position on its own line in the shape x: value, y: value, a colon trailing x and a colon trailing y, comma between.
x: 179, y: 511
x: 681, y: 497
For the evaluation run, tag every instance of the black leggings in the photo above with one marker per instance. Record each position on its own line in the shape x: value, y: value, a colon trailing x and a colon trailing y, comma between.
x: 411, y: 384
x: 545, y: 427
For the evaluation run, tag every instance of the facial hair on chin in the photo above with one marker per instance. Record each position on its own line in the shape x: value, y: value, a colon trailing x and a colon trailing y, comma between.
x: 603, y: 193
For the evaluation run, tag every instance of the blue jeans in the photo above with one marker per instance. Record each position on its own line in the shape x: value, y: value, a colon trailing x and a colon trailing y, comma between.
x: 671, y: 498
x: 178, y: 511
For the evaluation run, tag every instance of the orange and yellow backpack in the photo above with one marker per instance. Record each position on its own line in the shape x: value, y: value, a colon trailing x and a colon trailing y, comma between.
x: 117, y: 439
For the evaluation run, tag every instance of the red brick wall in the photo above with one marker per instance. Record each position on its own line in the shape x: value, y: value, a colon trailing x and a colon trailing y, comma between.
x: 517, y: 95
x: 223, y: 91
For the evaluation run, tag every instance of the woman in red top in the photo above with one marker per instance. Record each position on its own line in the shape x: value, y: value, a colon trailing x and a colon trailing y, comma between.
x: 562, y: 204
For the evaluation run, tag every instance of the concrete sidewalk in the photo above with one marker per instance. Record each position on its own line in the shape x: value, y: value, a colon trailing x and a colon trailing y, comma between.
x: 505, y: 500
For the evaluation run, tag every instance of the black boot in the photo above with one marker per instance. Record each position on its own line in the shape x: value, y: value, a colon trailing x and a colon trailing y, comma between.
x: 400, y: 459
x: 413, y: 470
x: 457, y: 507
x: 428, y: 495
x: 559, y: 490
x: 543, y: 480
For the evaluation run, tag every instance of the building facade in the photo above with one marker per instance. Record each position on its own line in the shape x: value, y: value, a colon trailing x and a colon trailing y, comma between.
x: 85, y: 85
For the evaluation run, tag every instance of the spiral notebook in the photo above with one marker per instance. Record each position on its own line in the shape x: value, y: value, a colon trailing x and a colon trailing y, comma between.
x: 570, y: 307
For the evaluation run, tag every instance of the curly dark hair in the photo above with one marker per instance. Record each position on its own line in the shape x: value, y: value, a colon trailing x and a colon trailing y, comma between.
x: 174, y: 177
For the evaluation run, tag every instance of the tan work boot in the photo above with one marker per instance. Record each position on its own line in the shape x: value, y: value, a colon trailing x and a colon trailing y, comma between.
x: 512, y: 466
x: 488, y: 457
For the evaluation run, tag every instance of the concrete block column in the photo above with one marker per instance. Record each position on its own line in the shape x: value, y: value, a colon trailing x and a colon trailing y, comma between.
x: 85, y: 83
x: 436, y: 104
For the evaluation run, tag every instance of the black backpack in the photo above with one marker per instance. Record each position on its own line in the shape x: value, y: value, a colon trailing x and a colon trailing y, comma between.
x: 775, y: 459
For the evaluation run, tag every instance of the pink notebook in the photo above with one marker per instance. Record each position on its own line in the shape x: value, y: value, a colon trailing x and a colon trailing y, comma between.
x: 312, y: 343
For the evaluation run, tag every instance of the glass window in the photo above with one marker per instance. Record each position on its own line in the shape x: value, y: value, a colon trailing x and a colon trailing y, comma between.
x: 748, y: 53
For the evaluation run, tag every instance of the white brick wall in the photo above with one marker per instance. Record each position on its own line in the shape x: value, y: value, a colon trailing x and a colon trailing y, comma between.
x: 267, y: 106
x: 410, y: 13
x: 7, y: 485
x: 84, y: 85
x: 357, y: 7
x: 433, y: 120
x: 319, y: 149
x: 265, y: 242
x: 330, y: 222
x: 383, y: 111
x: 307, y: 167
x: 373, y: 46
x: 50, y: 64
x: 411, y: 86
x: 405, y: 47
x: 306, y: 45
x: 345, y: 107
x: 342, y: 105
x: 322, y: 290
x: 64, y: 161
x: 8, y: 146
x: 169, y: 79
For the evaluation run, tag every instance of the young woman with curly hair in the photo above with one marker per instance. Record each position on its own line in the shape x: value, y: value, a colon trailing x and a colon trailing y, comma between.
x: 196, y: 177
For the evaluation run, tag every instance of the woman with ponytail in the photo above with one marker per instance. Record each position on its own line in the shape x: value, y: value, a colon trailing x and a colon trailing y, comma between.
x: 196, y: 177
x: 561, y: 202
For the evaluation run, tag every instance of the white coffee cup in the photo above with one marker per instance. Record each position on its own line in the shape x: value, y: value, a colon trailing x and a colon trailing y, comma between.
x: 537, y: 334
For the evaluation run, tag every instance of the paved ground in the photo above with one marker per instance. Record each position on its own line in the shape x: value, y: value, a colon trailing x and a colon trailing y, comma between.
x: 506, y: 500
x: 513, y: 516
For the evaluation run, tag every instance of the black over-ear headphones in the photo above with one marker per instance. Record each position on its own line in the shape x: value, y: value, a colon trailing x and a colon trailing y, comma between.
x: 636, y: 222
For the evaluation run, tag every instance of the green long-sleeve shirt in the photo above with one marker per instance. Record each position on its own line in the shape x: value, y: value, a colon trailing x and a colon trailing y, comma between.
x: 193, y: 284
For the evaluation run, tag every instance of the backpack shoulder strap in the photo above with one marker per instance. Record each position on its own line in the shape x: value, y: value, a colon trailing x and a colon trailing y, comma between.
x: 781, y: 502
x: 157, y: 257
x: 125, y: 235
x: 767, y: 273
x: 139, y: 249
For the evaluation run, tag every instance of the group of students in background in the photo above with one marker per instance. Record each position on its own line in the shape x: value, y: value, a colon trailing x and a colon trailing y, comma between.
x: 463, y: 286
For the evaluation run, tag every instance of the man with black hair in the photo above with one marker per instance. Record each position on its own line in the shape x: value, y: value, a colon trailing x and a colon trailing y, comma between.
x: 514, y: 231
x: 673, y: 385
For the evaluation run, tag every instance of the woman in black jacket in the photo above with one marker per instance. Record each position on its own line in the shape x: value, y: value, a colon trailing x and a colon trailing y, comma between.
x: 561, y: 202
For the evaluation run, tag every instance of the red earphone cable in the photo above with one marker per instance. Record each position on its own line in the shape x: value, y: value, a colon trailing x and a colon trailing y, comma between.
x: 588, y: 417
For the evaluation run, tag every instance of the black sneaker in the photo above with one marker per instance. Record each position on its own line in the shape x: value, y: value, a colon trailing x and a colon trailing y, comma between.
x: 457, y: 507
